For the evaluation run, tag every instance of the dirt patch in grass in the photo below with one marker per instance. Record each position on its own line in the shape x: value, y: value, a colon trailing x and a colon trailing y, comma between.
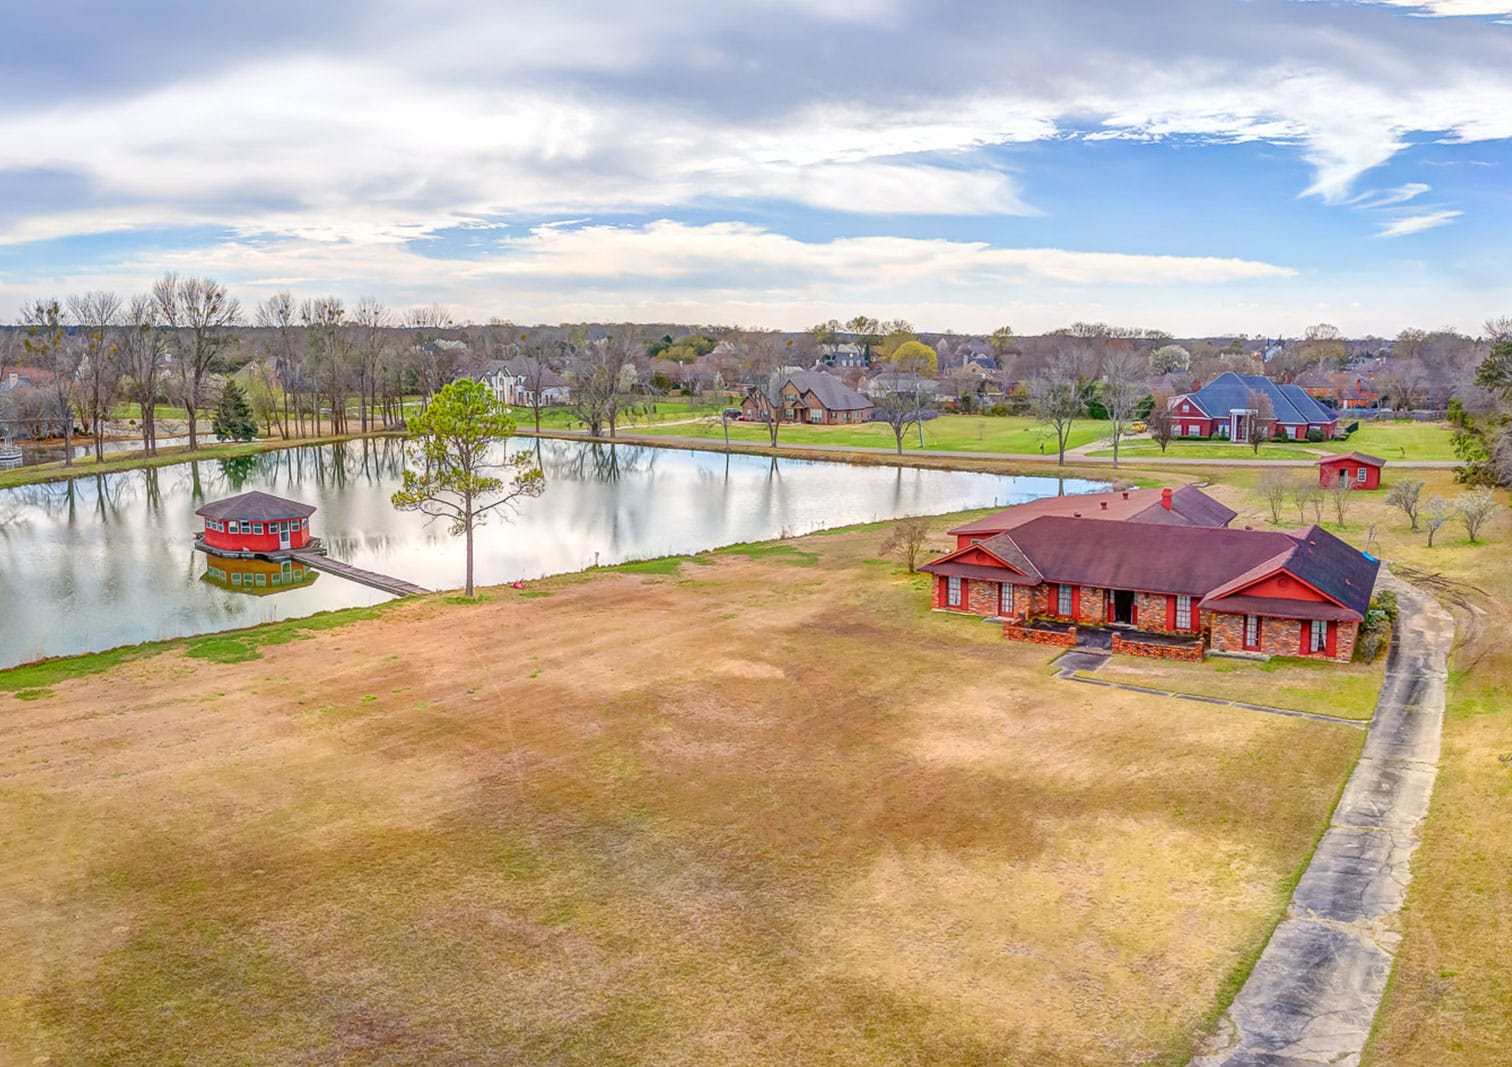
x: 775, y: 815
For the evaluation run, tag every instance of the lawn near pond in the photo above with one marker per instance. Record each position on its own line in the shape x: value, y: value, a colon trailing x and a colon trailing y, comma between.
x: 1141, y: 448
x: 760, y: 806
x: 1399, y: 440
x: 948, y: 433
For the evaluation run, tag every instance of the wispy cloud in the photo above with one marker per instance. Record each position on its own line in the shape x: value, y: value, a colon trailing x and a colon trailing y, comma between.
x: 1418, y: 223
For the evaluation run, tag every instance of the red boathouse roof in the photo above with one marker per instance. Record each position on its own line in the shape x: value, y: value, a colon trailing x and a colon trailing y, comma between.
x: 258, y: 507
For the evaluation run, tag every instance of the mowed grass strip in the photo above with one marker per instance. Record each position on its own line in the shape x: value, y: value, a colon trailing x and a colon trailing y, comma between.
x: 734, y: 811
x: 948, y: 433
x: 1347, y: 690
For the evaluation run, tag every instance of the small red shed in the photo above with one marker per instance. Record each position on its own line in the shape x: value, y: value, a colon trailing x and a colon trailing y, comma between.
x: 1358, y: 469
x: 255, y: 524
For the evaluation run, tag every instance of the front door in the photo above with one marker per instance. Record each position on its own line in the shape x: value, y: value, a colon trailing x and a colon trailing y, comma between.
x: 1123, y: 606
x: 283, y: 535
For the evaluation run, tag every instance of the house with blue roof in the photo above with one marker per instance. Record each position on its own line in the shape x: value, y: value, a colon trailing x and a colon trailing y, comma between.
x: 1225, y: 407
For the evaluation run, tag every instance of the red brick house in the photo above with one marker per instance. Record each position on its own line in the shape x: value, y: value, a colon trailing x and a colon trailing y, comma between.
x: 806, y: 396
x: 1356, y: 468
x: 1237, y: 591
x: 1225, y: 406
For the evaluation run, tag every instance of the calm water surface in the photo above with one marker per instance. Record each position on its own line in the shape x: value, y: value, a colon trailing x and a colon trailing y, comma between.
x: 107, y: 560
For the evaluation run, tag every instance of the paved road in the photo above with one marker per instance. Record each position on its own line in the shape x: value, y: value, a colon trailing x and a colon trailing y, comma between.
x: 1007, y: 457
x: 1315, y: 991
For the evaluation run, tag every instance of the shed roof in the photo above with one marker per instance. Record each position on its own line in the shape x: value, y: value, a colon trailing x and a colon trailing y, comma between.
x: 1355, y: 457
x: 256, y: 506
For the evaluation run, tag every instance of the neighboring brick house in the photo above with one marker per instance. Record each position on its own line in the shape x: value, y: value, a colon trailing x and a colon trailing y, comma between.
x: 1244, y: 591
x: 1224, y: 407
x: 806, y: 396
x: 1356, y: 468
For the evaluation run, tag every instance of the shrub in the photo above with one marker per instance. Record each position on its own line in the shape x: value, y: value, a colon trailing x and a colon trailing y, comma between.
x: 1315, y: 435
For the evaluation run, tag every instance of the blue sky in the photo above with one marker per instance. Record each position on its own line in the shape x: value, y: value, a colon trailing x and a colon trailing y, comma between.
x: 1202, y: 166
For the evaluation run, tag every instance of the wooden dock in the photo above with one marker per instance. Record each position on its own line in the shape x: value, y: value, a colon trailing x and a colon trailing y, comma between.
x: 316, y: 558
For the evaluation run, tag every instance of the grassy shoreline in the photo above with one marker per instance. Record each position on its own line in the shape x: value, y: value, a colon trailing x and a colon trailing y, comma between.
x: 85, y: 466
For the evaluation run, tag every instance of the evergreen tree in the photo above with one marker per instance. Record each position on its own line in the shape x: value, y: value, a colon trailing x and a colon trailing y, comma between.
x: 233, y: 415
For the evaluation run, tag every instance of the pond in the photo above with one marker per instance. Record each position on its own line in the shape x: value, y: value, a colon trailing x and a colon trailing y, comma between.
x: 107, y: 560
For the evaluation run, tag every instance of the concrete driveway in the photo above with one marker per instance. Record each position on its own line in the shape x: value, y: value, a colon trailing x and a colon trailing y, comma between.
x: 1315, y: 991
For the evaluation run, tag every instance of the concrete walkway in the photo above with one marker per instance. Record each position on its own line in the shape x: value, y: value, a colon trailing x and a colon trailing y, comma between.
x: 1315, y: 991
x: 717, y: 444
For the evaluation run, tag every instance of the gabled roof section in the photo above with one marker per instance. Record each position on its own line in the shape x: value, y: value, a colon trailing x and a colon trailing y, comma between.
x: 1331, y: 567
x: 831, y: 391
x: 1190, y: 506
x: 1000, y: 548
x: 256, y: 506
x: 1188, y: 560
x: 1291, y: 403
x: 1355, y: 457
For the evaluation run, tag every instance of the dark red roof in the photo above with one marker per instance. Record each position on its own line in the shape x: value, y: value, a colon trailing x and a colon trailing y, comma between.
x: 260, y: 507
x: 1280, y: 607
x: 1188, y: 560
x: 1355, y: 457
x: 1190, y: 506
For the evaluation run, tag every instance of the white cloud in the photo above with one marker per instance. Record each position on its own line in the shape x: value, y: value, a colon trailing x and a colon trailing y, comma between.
x: 1418, y: 223
x: 1451, y: 8
x: 1378, y: 198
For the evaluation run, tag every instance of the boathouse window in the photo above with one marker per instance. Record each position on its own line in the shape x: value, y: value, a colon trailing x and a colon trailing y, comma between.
x: 1360, y: 476
x: 953, y: 592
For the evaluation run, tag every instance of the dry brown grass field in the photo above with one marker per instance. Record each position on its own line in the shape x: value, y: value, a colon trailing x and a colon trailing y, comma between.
x: 759, y: 807
x: 1449, y: 1003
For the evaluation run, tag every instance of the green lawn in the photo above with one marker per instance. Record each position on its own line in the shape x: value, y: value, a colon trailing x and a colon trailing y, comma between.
x: 640, y: 414
x: 1141, y: 447
x: 128, y: 410
x: 1397, y: 440
x: 948, y: 433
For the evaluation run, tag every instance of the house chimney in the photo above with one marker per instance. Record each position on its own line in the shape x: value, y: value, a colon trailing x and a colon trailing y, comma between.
x: 1126, y: 494
x: 1076, y: 514
x: 1104, y: 504
x: 1165, y: 498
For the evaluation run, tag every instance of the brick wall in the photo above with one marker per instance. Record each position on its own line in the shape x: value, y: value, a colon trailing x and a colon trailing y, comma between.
x: 1192, y: 654
x: 1094, y: 605
x: 982, y: 598
x: 1015, y: 632
x: 1278, y: 637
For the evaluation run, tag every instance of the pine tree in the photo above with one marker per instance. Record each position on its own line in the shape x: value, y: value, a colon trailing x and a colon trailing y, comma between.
x: 233, y: 415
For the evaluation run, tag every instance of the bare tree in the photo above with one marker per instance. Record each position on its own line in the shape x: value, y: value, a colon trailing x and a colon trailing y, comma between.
x: 1307, y: 493
x: 596, y: 376
x: 1474, y: 510
x: 47, y: 342
x: 907, y: 540
x: 899, y: 410
x: 200, y: 312
x: 1342, y: 495
x: 97, y: 315
x: 1161, y: 422
x: 144, y: 348
x: 280, y: 313
x: 1273, y: 486
x: 1406, y: 494
x: 1260, y: 422
x: 536, y: 373
x: 1435, y: 513
x: 1123, y: 379
x: 371, y: 321
x: 1058, y: 396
